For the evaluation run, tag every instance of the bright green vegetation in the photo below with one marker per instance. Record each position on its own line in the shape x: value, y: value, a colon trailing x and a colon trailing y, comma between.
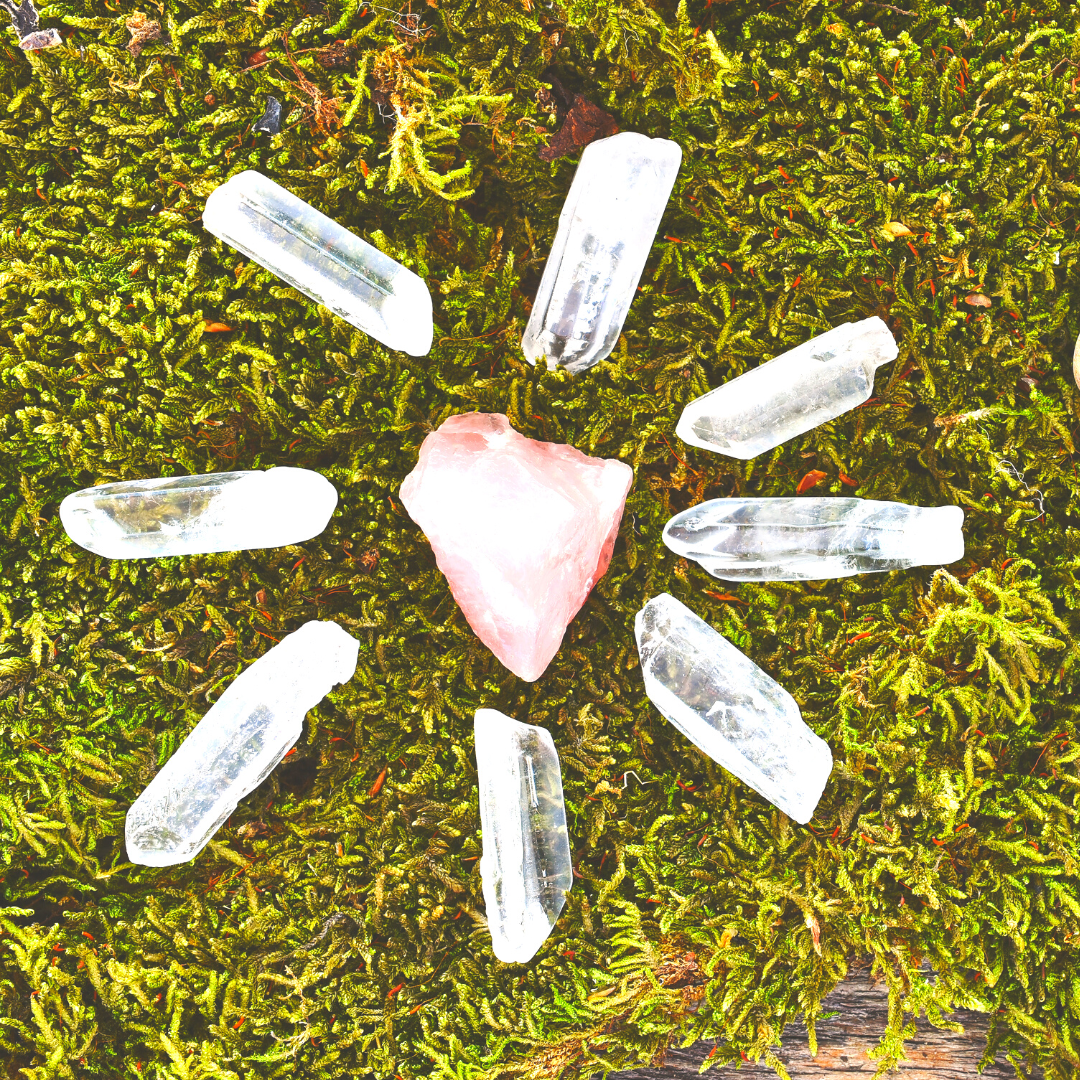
x: 335, y: 926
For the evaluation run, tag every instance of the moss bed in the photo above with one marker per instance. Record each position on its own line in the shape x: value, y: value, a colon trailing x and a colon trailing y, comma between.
x: 334, y: 928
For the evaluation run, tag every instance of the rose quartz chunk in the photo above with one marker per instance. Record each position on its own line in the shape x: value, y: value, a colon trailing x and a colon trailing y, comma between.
x: 522, y: 530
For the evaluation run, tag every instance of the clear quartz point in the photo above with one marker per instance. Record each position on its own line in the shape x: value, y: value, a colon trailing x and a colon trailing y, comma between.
x: 525, y: 869
x: 812, y: 538
x: 234, y: 747
x: 323, y: 260
x: 192, y: 515
x: 729, y: 708
x: 791, y: 394
x: 606, y: 229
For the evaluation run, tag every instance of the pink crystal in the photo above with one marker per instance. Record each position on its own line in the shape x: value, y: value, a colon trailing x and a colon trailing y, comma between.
x: 522, y: 530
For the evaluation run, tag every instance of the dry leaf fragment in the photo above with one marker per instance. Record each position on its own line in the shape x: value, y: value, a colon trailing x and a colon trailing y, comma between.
x: 583, y: 122
x: 978, y: 299
x: 214, y: 327
x: 339, y: 54
x: 814, y: 476
x: 379, y: 780
x: 893, y: 229
x: 143, y: 30
x: 323, y: 110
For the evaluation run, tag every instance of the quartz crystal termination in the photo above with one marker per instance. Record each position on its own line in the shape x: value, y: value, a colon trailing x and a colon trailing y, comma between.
x: 806, y: 539
x: 193, y: 515
x: 791, y: 394
x: 606, y: 229
x: 525, y: 869
x: 521, y: 529
x: 236, y: 744
x: 323, y: 260
x: 729, y: 708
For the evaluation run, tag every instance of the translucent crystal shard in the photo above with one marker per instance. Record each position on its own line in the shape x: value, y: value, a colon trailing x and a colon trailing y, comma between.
x: 522, y: 530
x: 236, y: 744
x: 791, y: 394
x: 190, y: 515
x: 323, y: 260
x: 812, y: 538
x: 729, y: 708
x: 525, y: 868
x: 606, y: 229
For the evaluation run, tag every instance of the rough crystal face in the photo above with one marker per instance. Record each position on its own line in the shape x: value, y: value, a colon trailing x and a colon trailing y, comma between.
x: 236, y: 744
x: 812, y: 538
x: 522, y: 530
x: 190, y: 515
x: 791, y: 394
x: 525, y: 868
x: 323, y: 260
x: 606, y: 229
x: 729, y: 708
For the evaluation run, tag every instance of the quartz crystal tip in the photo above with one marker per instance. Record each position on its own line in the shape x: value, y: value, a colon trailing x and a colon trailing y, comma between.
x: 522, y: 529
x: 323, y: 260
x: 729, y: 708
x: 798, y: 539
x: 791, y: 394
x: 606, y: 230
x: 525, y: 868
x: 193, y: 515
x: 234, y: 747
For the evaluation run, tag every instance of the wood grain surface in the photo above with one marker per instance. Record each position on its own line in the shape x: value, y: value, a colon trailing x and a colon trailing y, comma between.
x: 844, y: 1042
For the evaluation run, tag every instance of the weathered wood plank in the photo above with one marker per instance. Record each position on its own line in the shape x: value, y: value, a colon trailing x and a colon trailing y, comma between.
x: 845, y: 1040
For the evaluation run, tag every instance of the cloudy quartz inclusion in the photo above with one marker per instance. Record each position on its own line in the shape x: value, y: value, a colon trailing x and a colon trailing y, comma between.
x: 729, y: 708
x: 812, y: 538
x: 525, y: 868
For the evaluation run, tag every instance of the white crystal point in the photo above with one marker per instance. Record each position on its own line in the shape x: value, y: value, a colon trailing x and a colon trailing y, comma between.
x: 193, y: 515
x: 525, y: 869
x: 234, y: 747
x: 323, y: 260
x: 729, y: 708
x: 813, y: 538
x: 791, y: 394
x: 606, y: 229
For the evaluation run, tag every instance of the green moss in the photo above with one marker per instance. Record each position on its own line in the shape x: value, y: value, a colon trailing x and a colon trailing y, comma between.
x: 335, y: 930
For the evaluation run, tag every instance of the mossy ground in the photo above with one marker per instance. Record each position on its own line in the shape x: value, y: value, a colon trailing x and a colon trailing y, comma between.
x: 335, y: 926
